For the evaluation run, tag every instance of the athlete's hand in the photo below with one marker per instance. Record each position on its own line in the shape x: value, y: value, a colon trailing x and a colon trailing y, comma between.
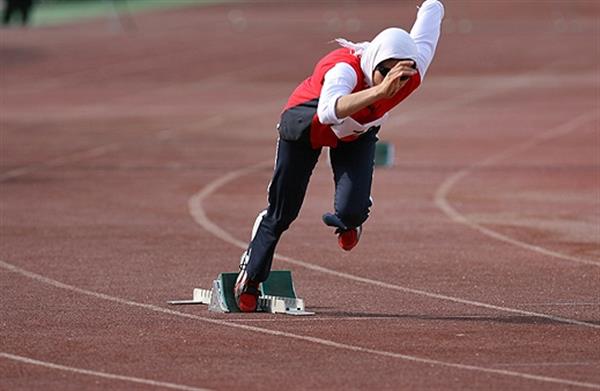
x: 396, y: 78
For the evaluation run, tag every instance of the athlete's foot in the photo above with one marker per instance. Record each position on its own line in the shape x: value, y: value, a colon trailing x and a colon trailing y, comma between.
x: 348, y: 239
x: 246, y: 292
x: 332, y: 220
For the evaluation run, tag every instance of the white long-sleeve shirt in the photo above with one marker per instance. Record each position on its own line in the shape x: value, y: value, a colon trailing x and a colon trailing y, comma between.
x: 341, y: 79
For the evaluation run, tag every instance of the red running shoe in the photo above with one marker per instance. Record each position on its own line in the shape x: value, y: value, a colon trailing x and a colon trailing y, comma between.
x: 246, y: 293
x: 349, y: 239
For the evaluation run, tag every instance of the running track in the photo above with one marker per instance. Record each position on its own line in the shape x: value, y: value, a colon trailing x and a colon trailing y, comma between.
x: 133, y: 164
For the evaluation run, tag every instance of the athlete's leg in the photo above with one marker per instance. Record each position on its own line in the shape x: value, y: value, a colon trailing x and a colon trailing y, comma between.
x: 9, y: 10
x: 293, y: 167
x: 25, y: 11
x: 352, y: 165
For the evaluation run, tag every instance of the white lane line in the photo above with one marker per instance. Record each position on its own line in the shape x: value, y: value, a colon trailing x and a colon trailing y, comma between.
x: 565, y: 304
x: 197, y: 211
x: 403, y: 318
x: 548, y: 364
x: 106, y: 375
x: 441, y: 194
x: 288, y: 319
x: 298, y: 337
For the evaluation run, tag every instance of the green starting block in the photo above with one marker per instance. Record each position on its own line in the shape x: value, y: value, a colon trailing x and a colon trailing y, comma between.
x: 384, y: 154
x: 277, y: 295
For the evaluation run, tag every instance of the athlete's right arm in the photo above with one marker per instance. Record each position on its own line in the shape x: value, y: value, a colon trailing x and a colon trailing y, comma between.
x: 389, y: 86
x: 337, y: 102
x: 339, y: 81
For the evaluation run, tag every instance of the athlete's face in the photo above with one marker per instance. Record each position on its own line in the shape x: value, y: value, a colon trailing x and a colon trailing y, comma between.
x: 382, y: 69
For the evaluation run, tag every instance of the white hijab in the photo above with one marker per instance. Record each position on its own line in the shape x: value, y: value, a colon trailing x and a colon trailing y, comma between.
x: 390, y: 43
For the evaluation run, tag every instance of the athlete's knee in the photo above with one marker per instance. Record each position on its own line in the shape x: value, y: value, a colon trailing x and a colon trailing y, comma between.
x: 283, y: 223
x: 279, y: 223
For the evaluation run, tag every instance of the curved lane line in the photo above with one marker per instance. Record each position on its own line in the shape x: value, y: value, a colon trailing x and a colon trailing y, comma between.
x: 283, y: 334
x: 196, y: 209
x: 105, y: 375
x: 441, y: 194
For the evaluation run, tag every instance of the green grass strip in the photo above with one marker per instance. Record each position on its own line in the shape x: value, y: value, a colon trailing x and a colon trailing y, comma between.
x: 54, y: 13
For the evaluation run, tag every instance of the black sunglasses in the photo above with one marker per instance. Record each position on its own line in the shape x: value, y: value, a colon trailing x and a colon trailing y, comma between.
x: 384, y: 70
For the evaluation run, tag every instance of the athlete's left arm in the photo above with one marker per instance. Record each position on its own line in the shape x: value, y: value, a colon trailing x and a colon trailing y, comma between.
x: 426, y: 33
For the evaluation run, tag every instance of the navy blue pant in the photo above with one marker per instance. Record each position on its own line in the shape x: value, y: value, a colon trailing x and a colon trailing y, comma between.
x: 352, y: 165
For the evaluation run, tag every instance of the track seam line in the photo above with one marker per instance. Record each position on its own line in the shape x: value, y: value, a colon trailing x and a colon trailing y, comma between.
x: 441, y: 194
x: 300, y: 337
x: 98, y: 151
x: 196, y: 209
x: 106, y: 375
x: 60, y: 160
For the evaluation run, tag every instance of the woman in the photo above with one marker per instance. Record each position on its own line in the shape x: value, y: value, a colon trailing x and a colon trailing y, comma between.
x: 22, y: 7
x: 341, y: 106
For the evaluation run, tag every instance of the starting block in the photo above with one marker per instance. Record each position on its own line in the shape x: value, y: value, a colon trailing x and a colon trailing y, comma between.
x: 384, y: 154
x: 277, y: 295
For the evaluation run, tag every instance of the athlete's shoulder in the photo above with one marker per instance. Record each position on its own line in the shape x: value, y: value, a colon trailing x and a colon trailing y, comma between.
x: 340, y: 55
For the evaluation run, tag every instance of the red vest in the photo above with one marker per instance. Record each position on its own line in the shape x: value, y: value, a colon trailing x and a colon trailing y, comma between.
x: 310, y: 89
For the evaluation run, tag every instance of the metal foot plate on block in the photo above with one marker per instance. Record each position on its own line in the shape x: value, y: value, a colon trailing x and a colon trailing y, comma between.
x: 200, y: 296
x: 278, y: 295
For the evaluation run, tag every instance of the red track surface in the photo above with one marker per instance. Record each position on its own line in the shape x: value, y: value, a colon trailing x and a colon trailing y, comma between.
x: 480, y: 265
